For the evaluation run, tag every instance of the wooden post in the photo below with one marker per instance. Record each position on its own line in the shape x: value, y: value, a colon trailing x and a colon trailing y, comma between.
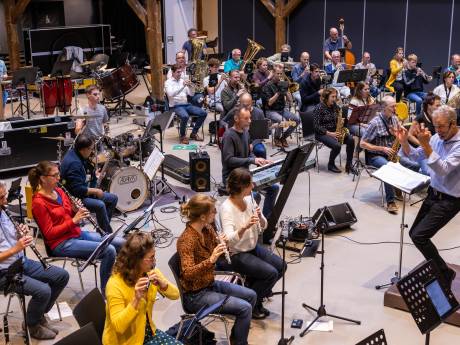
x: 155, y: 37
x: 12, y: 34
x: 2, y: 107
x: 199, y: 15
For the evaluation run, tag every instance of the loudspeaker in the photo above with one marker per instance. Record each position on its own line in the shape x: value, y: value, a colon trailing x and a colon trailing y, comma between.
x: 200, y: 171
x: 336, y: 217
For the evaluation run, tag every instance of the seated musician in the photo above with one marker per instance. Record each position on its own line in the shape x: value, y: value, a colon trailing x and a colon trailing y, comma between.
x: 242, y: 223
x: 310, y: 89
x: 282, y: 56
x: 131, y: 294
x: 181, y: 62
x: 379, y: 141
x: 448, y: 91
x: 414, y: 78
x: 199, y: 249
x: 455, y: 67
x: 299, y: 74
x: 187, y: 46
x: 361, y: 98
x: 245, y: 100
x: 236, y: 153
x: 78, y: 175
x: 214, y: 92
x: 233, y: 63
x: 334, y: 42
x: 44, y: 286
x: 58, y: 220
x: 262, y: 75
x: 4, y: 95
x: 333, y: 70
x: 233, y: 90
x: 371, y: 71
x: 395, y: 79
x: 97, y: 125
x: 276, y: 97
x: 177, y: 90
x: 325, y: 126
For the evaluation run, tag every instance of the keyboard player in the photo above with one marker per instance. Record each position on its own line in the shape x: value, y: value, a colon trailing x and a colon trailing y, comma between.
x: 236, y: 153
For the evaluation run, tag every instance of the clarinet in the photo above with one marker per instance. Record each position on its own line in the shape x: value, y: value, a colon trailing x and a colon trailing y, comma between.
x: 259, y: 229
x: 221, y: 241
x: 76, y: 205
x: 20, y: 234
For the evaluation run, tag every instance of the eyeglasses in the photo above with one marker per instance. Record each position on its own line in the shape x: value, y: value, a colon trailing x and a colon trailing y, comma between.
x: 442, y: 126
x: 56, y: 175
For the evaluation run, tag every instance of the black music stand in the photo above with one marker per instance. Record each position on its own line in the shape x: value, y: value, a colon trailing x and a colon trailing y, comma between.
x: 322, y: 224
x: 24, y: 76
x: 429, y: 300
x: 352, y: 75
x: 378, y: 338
x: 60, y: 69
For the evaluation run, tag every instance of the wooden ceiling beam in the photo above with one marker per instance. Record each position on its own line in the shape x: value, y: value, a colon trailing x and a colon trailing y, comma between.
x: 269, y: 5
x: 21, y: 6
x: 139, y: 10
x: 291, y: 6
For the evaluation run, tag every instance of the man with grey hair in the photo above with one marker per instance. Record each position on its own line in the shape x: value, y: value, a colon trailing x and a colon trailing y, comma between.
x: 378, y: 142
x: 333, y: 70
x: 283, y: 56
x: 43, y: 285
x: 334, y: 42
x: 442, y: 152
x: 233, y: 63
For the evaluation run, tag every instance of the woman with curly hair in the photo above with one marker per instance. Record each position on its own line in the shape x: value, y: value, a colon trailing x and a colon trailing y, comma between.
x: 131, y: 292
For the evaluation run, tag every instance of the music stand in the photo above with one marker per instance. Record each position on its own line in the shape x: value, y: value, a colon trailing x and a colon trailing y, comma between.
x: 378, y: 338
x: 24, y: 76
x: 429, y: 300
x: 136, y: 221
x: 60, y: 69
x: 351, y: 75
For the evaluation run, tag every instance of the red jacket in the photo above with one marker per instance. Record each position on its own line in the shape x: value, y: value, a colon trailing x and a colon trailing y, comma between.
x: 54, y: 220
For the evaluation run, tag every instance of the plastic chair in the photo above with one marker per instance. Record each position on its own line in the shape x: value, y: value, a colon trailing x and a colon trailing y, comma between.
x: 91, y: 309
x: 85, y: 335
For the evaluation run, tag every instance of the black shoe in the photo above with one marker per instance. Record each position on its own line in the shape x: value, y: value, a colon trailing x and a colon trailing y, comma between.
x: 333, y: 168
x: 258, y: 314
x: 350, y: 169
x: 264, y: 310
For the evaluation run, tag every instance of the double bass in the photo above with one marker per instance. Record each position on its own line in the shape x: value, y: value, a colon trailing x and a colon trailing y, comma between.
x: 349, y: 58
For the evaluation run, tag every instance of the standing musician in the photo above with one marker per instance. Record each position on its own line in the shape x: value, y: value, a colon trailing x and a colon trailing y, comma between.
x: 326, y: 130
x: 395, y: 80
x: 448, y: 91
x: 4, y: 95
x: 333, y: 70
x: 131, y: 294
x: 58, y: 219
x: 442, y: 152
x: 233, y: 90
x: 187, y: 46
x: 335, y: 42
x: 177, y: 90
x: 361, y: 98
x: 235, y: 62
x: 455, y: 67
x: 242, y: 222
x: 379, y: 141
x: 236, y: 153
x: 97, y: 125
x: 283, y: 56
x: 78, y: 175
x: 199, y: 248
x: 275, y: 96
x: 310, y: 89
x: 414, y: 78
x: 214, y: 92
x: 43, y: 285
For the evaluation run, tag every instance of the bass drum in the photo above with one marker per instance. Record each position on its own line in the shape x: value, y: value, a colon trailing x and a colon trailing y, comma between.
x: 119, y: 82
x: 129, y: 184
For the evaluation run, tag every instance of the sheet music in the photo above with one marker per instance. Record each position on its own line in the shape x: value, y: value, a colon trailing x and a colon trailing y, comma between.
x: 400, y: 177
x: 153, y: 163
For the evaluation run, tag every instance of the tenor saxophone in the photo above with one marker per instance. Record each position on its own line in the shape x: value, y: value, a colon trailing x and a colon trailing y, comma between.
x: 340, y: 128
x: 393, y: 157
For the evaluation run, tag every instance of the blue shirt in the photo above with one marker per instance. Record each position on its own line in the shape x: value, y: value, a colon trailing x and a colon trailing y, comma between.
x: 443, y: 163
x: 297, y: 71
x: 2, y: 69
x: 231, y: 65
x: 8, y: 239
x: 330, y: 46
x: 330, y: 69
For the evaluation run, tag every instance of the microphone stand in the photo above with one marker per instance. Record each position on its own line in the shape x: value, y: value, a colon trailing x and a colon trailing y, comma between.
x: 283, y: 340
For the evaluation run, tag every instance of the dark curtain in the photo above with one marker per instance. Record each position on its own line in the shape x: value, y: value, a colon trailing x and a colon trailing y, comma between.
x: 125, y: 25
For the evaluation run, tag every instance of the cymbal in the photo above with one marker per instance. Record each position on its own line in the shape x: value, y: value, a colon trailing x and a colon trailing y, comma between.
x: 58, y: 138
x: 83, y: 117
x: 87, y: 63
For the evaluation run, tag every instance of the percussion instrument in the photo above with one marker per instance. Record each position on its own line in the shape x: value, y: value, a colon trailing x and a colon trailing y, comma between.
x: 118, y: 82
x: 57, y: 92
x: 128, y: 183
x: 88, y: 63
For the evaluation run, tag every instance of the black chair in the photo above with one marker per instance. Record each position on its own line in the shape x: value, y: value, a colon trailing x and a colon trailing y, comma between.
x: 378, y: 338
x: 213, y: 44
x: 91, y: 309
x: 85, y: 335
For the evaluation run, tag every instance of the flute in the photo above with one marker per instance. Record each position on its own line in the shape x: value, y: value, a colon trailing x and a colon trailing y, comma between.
x: 21, y: 234
x: 219, y: 232
x: 259, y: 229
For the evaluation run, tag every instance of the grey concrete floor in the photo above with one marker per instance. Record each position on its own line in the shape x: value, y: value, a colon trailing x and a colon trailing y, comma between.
x: 352, y: 269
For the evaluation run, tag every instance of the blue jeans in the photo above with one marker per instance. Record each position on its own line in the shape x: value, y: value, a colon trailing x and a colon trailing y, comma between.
x: 262, y: 269
x: 418, y: 98
x: 43, y: 286
x: 4, y: 97
x: 184, y: 111
x: 379, y: 161
x: 83, y: 246
x: 103, y: 208
x: 240, y: 304
x: 271, y: 192
x: 278, y: 116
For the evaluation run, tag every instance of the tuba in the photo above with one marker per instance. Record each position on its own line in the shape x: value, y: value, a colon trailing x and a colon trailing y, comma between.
x: 454, y: 102
x: 198, y: 68
x: 251, y: 51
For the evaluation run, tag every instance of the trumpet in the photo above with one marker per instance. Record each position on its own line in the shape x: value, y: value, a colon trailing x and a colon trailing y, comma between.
x: 77, y: 205
x: 21, y: 234
x: 424, y: 75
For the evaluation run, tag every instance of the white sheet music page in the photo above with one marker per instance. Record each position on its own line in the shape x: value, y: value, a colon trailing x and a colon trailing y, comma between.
x: 400, y: 177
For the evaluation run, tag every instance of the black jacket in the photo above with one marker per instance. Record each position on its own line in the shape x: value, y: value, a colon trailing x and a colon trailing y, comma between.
x: 309, y: 92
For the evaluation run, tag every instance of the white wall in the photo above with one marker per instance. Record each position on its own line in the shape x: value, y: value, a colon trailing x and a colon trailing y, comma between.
x: 179, y: 16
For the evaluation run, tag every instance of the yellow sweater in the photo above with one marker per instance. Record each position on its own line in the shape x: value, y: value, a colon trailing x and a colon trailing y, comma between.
x: 125, y: 325
x: 395, y: 68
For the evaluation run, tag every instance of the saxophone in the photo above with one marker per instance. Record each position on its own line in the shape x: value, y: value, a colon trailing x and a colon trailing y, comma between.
x: 340, y: 128
x: 393, y: 157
